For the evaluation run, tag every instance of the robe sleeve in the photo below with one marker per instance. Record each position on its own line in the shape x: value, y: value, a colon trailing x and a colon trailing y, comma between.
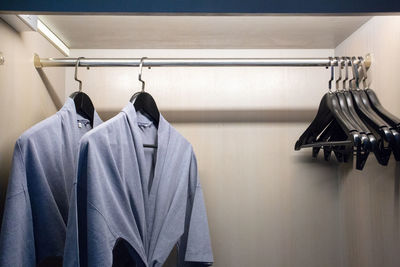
x: 17, y: 245
x: 195, y: 245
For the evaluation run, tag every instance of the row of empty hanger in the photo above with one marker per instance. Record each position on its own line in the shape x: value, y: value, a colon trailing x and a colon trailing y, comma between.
x: 351, y: 121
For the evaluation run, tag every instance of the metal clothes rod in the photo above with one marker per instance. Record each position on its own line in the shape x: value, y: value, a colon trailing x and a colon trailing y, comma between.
x: 188, y: 62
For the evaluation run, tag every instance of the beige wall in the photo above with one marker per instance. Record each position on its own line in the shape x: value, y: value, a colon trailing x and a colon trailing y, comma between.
x: 381, y: 37
x: 24, y: 98
x: 369, y: 201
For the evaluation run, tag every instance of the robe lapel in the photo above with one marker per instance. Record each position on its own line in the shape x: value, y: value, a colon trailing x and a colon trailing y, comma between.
x: 70, y: 144
x: 163, y: 137
x: 149, y: 196
x: 141, y: 172
x: 163, y: 141
x: 69, y: 123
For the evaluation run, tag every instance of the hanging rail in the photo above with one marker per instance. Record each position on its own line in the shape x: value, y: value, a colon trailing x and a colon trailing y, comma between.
x: 188, y: 62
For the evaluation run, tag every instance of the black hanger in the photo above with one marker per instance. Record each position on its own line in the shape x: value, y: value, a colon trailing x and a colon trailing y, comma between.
x: 335, y: 137
x: 333, y: 130
x: 375, y: 103
x: 343, y: 153
x: 144, y: 102
x: 83, y: 103
x: 363, y: 107
x: 377, y: 146
x: 362, y: 102
x: 350, y: 116
x: 367, y: 139
x: 381, y: 111
x: 329, y: 110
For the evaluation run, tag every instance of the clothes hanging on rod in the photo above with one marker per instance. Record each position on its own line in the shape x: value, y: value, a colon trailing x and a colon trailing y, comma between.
x: 43, y: 170
x: 83, y: 103
x: 148, y: 199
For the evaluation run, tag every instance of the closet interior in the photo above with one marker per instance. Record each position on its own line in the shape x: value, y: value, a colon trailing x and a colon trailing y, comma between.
x: 294, y: 119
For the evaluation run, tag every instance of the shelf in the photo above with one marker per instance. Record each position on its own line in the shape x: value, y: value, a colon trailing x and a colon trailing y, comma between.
x: 202, y: 32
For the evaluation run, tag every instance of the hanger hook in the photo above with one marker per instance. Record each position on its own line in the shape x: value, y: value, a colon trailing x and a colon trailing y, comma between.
x: 78, y: 60
x: 339, y: 63
x: 364, y: 72
x: 353, y: 71
x: 140, y: 72
x: 331, y: 61
x: 356, y: 73
x: 346, y: 72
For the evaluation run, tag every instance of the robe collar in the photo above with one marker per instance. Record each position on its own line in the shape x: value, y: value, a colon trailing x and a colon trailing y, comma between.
x: 163, y: 136
x: 69, y: 107
x: 69, y: 117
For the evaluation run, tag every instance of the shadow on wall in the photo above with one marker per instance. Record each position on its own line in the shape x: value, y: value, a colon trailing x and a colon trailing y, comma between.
x: 50, y: 89
x: 205, y: 116
x: 5, y: 162
x: 229, y: 116
x: 5, y: 159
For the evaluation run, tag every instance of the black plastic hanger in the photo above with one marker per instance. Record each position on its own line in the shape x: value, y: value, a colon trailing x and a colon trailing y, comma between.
x: 329, y: 110
x: 362, y: 102
x: 333, y: 132
x: 381, y: 111
x: 83, y: 103
x: 392, y: 121
x: 363, y: 107
x: 342, y: 153
x: 335, y: 138
x: 352, y: 118
x: 375, y: 103
x: 377, y: 146
x: 144, y: 102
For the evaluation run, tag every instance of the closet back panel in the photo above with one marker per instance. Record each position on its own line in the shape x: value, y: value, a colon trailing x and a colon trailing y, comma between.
x: 25, y: 98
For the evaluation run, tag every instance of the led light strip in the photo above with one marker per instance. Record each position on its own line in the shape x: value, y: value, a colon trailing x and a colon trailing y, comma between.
x: 49, y: 35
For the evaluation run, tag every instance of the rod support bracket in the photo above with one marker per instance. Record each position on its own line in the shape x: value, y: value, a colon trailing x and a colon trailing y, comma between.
x: 1, y: 59
x: 36, y: 61
x: 368, y: 60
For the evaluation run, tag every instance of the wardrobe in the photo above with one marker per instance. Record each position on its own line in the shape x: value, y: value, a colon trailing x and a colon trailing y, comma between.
x: 267, y: 204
